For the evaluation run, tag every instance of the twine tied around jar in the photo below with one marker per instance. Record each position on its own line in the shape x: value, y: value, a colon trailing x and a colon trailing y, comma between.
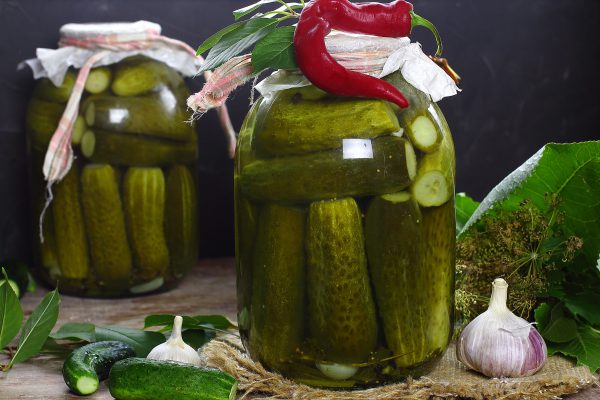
x: 103, y: 40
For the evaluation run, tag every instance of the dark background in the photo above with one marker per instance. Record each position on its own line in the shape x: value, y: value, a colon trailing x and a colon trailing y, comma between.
x: 529, y: 68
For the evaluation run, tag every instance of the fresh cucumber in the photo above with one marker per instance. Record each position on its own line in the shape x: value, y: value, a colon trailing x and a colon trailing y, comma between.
x: 144, y: 379
x: 86, y: 366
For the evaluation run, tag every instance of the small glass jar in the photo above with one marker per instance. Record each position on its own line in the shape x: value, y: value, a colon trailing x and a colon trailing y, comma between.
x: 345, y: 236
x: 123, y: 221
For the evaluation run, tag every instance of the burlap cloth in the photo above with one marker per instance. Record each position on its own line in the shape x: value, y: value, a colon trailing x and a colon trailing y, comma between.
x: 449, y: 379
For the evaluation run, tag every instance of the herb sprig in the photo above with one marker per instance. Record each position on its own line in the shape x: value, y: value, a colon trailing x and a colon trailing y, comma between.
x: 273, y: 43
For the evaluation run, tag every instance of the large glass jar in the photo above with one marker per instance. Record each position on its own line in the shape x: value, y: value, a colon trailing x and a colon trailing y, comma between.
x: 345, y: 231
x: 123, y: 220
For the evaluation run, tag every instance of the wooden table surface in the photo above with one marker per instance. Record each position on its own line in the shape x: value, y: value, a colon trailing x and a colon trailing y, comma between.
x: 208, y: 289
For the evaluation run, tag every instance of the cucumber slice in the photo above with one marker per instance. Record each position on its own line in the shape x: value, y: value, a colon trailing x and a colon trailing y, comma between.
x: 86, y: 366
x: 424, y: 135
x: 98, y: 80
x: 434, y: 183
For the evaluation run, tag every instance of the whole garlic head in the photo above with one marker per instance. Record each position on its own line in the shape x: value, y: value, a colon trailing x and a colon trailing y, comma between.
x: 175, y: 349
x: 498, y: 343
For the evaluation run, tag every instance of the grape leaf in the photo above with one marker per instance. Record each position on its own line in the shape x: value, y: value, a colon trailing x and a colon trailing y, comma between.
x: 11, y: 313
x: 585, y: 347
x: 76, y: 331
x: 234, y: 42
x: 585, y: 305
x: 572, y: 172
x: 275, y: 50
x: 465, y: 207
x: 37, y: 328
x: 141, y: 341
x: 554, y: 325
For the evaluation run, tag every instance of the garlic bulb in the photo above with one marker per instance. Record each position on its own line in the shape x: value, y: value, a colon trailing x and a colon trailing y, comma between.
x: 498, y: 343
x: 175, y: 349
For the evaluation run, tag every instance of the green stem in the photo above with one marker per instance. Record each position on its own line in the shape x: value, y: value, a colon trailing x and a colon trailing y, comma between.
x: 417, y: 20
x: 286, y: 6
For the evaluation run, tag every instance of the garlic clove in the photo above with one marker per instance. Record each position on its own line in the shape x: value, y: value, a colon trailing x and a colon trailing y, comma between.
x: 175, y: 349
x: 500, y: 344
x: 337, y: 372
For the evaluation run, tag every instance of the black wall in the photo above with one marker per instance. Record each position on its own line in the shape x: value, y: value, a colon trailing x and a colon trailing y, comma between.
x: 529, y: 68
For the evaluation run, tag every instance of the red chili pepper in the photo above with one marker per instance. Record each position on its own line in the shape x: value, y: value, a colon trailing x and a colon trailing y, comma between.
x: 319, y: 17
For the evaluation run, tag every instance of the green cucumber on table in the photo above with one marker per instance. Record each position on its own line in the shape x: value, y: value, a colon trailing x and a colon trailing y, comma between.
x: 86, y: 366
x: 144, y: 379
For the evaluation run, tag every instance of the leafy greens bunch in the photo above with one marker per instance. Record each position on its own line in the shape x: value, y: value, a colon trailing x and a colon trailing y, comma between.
x: 273, y: 43
x: 34, y: 332
x: 539, y: 229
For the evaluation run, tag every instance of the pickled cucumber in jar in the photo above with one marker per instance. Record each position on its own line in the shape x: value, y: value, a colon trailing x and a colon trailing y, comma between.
x: 124, y: 220
x: 344, y: 236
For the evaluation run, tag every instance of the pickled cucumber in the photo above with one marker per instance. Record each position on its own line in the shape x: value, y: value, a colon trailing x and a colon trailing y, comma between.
x: 153, y: 115
x: 69, y: 227
x: 291, y: 125
x: 98, y: 80
x: 79, y: 128
x: 417, y: 100
x: 246, y: 216
x: 277, y: 313
x: 393, y: 235
x: 105, y: 223
x: 325, y: 175
x: 423, y: 134
x: 341, y: 311
x: 181, y: 220
x: 144, y: 192
x: 135, y: 150
x: 132, y: 79
x: 438, y: 263
x: 46, y: 90
x: 42, y: 120
x: 434, y: 183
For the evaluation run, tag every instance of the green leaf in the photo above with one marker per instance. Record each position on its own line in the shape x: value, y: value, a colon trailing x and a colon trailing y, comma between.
x: 141, y: 341
x: 585, y: 347
x: 53, y: 348
x: 554, y: 325
x: 465, y: 207
x: 586, y: 305
x: 198, y: 321
x: 239, y: 13
x: 275, y: 50
x: 197, y: 338
x: 216, y: 37
x: 217, y: 321
x: 37, y: 328
x: 236, y: 41
x: 11, y: 313
x: 76, y: 331
x: 166, y: 320
x: 572, y: 172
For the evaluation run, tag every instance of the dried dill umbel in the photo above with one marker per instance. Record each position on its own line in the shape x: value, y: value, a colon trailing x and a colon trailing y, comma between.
x: 523, y: 247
